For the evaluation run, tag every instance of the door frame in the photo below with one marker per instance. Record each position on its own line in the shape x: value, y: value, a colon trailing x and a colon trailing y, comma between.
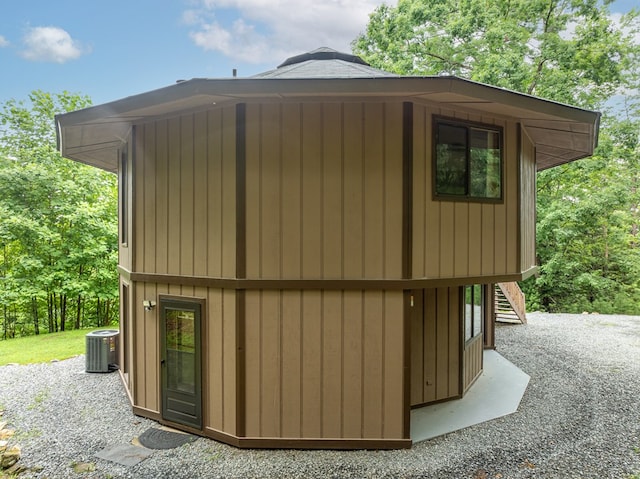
x: 198, y: 306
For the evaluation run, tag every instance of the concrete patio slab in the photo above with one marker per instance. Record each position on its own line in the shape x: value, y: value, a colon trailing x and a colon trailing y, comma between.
x: 496, y: 393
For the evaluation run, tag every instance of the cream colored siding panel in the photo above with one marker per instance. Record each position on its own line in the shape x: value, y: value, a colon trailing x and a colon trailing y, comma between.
x: 228, y: 345
x: 270, y: 187
x: 488, y: 235
x: 447, y: 239
x: 311, y: 183
x: 291, y: 363
x: 473, y: 352
x: 332, y: 190
x: 331, y: 200
x: 393, y: 363
x: 253, y: 355
x: 373, y: 364
x: 421, y: 188
x: 200, y: 194
x: 475, y: 240
x: 373, y: 254
x: 512, y: 201
x: 435, y: 345
x: 147, y: 255
x: 461, y: 239
x: 352, y: 369
x: 311, y: 394
x: 353, y: 261
x: 214, y: 357
x: 215, y: 195
x: 458, y: 239
x: 227, y: 137
x: 187, y: 177
x: 291, y: 192
x: 270, y: 362
x: 253, y: 192
x: 174, y: 179
x: 455, y: 341
x: 432, y: 337
x: 160, y: 234
x: 332, y: 359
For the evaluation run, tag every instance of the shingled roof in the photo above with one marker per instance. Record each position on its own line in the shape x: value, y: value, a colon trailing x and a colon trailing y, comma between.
x: 561, y: 133
x: 324, y: 63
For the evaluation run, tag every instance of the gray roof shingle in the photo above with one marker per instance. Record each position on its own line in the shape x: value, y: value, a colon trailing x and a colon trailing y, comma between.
x: 324, y: 63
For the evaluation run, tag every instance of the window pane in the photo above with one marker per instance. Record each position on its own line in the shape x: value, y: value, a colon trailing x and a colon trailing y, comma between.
x: 468, y: 312
x: 477, y: 310
x: 181, y: 348
x: 451, y: 160
x: 485, y: 174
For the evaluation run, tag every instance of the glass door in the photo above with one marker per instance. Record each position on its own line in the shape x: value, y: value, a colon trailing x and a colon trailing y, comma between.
x: 181, y: 362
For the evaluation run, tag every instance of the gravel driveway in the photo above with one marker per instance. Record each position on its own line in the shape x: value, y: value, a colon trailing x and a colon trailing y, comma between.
x: 580, y: 418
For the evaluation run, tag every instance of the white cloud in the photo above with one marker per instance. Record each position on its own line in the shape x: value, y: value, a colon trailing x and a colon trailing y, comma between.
x: 3, y: 41
x: 268, y: 31
x: 626, y: 29
x: 50, y: 44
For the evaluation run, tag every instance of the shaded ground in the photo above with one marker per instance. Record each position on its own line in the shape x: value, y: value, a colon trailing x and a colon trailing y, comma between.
x: 580, y: 418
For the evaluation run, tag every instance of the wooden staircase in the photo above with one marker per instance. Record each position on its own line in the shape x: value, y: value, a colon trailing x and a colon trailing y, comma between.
x: 509, y: 304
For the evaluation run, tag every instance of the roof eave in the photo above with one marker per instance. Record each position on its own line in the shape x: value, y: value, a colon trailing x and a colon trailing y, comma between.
x: 113, y: 120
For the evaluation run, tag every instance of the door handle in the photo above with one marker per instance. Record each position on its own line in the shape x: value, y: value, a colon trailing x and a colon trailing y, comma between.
x: 162, y: 361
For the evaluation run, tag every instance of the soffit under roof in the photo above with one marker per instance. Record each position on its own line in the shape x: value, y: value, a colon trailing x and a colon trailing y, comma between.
x: 560, y: 132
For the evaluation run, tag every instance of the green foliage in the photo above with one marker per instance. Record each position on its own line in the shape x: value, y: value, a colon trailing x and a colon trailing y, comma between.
x: 567, y: 51
x: 44, y: 347
x: 588, y: 230
x: 58, y: 225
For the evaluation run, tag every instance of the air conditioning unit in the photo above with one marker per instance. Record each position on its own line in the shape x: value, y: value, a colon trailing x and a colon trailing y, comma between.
x: 102, y: 351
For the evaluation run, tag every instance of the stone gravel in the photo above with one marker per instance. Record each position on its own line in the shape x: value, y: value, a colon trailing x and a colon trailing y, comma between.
x: 579, y: 418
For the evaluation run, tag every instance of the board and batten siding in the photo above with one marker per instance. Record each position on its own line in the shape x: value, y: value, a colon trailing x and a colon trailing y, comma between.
x: 436, y: 344
x: 528, y: 202
x: 185, y: 195
x: 219, y: 335
x: 324, y: 364
x: 472, y: 361
x: 324, y: 190
x: 125, y: 195
x: 458, y: 239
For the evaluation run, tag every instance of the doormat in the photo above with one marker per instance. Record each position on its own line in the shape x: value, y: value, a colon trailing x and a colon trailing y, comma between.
x: 154, y: 438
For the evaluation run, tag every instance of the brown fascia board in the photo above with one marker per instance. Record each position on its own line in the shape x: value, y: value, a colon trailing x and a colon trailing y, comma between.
x: 173, y: 99
x: 241, y: 89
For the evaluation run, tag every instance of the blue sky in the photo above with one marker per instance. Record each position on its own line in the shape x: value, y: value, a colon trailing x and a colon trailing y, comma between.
x: 109, y: 49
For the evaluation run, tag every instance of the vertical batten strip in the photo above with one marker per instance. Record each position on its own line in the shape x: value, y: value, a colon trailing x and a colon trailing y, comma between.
x: 407, y: 189
x: 241, y: 271
x: 407, y: 259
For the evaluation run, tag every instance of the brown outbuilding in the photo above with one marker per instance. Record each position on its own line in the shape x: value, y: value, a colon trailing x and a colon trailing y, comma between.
x: 308, y: 254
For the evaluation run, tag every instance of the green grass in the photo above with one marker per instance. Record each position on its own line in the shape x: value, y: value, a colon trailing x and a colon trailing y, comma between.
x: 44, y: 347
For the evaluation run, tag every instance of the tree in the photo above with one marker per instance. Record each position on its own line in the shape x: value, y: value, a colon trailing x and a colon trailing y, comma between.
x: 588, y: 244
x: 58, y: 224
x: 569, y: 51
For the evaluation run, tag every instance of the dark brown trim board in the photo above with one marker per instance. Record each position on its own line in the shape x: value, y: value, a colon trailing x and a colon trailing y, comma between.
x: 407, y: 189
x: 323, y: 284
x: 148, y: 413
x: 316, y: 443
